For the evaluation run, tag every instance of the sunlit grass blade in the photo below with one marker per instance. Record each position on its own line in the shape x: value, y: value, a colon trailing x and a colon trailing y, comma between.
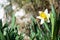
x: 52, y: 23
x: 56, y: 29
x: 53, y: 19
x: 13, y: 21
x: 46, y: 26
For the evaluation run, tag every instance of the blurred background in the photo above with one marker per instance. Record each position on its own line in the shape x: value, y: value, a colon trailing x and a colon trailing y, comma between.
x: 19, y: 12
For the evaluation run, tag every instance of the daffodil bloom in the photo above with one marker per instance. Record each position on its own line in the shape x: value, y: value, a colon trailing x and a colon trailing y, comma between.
x: 44, y: 16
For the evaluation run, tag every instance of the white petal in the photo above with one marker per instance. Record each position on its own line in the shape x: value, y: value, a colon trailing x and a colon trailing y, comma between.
x: 40, y: 12
x: 42, y: 21
x: 49, y: 15
x: 46, y: 11
x: 48, y: 21
x: 38, y: 17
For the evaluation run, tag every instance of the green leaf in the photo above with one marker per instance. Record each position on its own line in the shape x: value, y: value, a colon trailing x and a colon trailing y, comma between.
x: 13, y: 21
x: 2, y: 36
x: 0, y: 24
x: 52, y: 23
x: 53, y: 11
x: 46, y: 26
x: 53, y: 19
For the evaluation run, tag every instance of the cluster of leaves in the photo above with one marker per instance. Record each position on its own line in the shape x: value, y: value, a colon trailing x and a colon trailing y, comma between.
x: 9, y: 32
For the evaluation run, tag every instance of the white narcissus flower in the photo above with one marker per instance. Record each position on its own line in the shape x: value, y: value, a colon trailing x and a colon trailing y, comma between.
x: 44, y: 16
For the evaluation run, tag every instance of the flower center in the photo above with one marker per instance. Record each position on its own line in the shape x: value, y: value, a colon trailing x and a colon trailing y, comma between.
x: 43, y: 15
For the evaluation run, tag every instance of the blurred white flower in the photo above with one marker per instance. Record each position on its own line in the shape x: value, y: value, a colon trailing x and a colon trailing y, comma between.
x: 2, y: 15
x: 26, y: 20
x: 13, y: 7
x: 2, y: 12
x: 20, y: 13
x: 4, y: 2
x: 44, y: 16
x: 26, y: 37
